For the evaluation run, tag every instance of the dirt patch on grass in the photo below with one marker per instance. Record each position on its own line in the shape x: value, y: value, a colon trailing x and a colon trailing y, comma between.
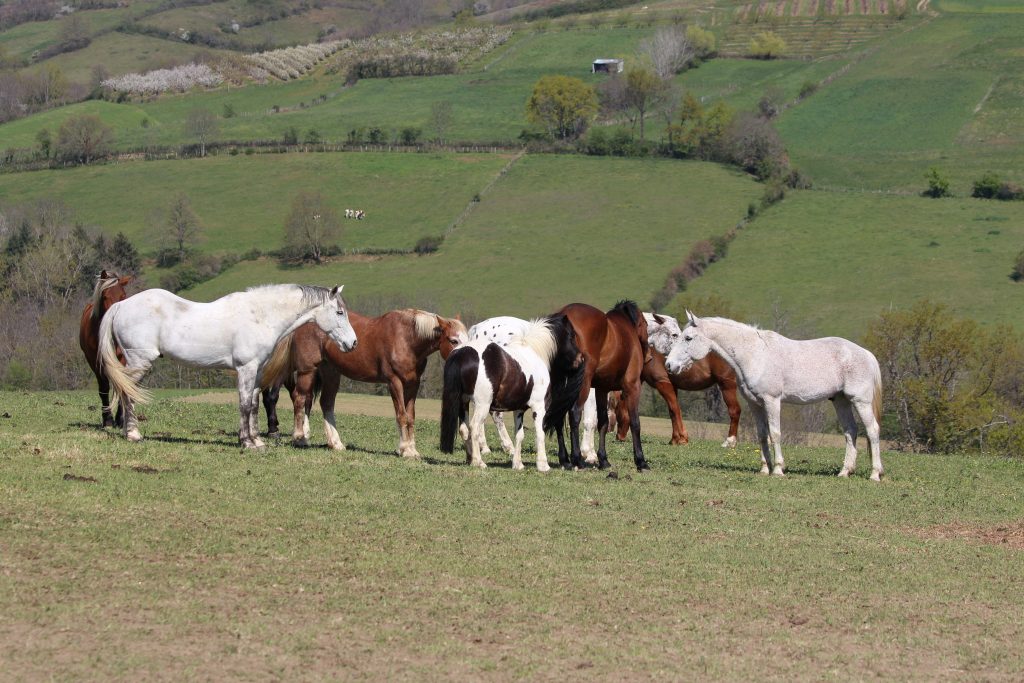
x: 1006, y: 535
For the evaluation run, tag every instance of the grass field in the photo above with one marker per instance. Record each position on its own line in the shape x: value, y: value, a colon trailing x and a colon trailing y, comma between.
x: 243, y: 201
x: 945, y: 94
x: 554, y: 229
x: 184, y: 558
x: 835, y: 261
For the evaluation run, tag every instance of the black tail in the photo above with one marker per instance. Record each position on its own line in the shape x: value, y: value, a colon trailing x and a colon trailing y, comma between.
x: 451, y: 396
x: 567, y: 372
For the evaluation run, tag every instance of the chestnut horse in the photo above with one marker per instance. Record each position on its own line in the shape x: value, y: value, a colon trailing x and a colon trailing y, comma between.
x: 108, y: 291
x: 705, y: 373
x: 614, y: 347
x: 393, y: 350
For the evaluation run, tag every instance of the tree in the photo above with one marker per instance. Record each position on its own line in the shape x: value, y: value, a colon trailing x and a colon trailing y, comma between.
x: 669, y: 51
x: 767, y: 45
x: 563, y: 105
x: 755, y: 146
x: 987, y: 186
x: 644, y: 91
x: 771, y: 103
x: 201, y: 125
x: 83, y: 138
x: 74, y: 34
x: 180, y: 227
x: 441, y: 119
x: 938, y: 184
x: 45, y: 141
x: 311, y: 226
x: 702, y: 41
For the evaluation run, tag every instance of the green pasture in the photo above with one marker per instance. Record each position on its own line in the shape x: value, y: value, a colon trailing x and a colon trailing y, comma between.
x: 182, y: 557
x: 554, y: 229
x: 986, y: 6
x: 24, y: 39
x: 832, y: 262
x: 947, y: 93
x: 243, y: 201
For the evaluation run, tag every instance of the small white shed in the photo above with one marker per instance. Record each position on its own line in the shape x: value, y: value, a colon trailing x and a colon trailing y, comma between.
x: 611, y: 66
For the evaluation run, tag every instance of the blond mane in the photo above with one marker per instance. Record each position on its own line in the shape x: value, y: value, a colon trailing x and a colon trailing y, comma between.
x: 538, y: 338
x: 97, y: 294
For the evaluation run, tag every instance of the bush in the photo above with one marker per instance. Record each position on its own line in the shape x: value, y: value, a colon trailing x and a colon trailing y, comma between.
x: 428, y: 245
x: 312, y: 137
x: 986, y: 187
x: 410, y: 135
x: 291, y: 136
x: 1018, y: 268
x: 767, y: 45
x: 938, y: 184
x: 1009, y: 192
x: 808, y: 89
x: 376, y: 136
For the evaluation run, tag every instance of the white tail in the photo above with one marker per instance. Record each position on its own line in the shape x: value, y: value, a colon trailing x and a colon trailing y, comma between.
x: 124, y: 382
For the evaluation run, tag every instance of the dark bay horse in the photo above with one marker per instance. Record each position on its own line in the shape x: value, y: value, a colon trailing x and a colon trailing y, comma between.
x: 705, y: 373
x: 393, y: 349
x: 108, y: 291
x: 614, y: 347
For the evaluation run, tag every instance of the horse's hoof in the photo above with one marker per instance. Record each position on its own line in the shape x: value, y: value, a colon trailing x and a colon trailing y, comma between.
x: 876, y: 476
x: 482, y: 465
x: 134, y: 436
x: 591, y: 459
x: 485, y: 451
x: 643, y: 467
x: 301, y: 443
x: 337, y: 445
x: 518, y: 466
x: 778, y: 473
x: 844, y: 474
x: 765, y: 470
x: 679, y: 441
x: 544, y: 468
x: 274, y: 434
x: 729, y: 442
x: 567, y: 466
x: 410, y: 453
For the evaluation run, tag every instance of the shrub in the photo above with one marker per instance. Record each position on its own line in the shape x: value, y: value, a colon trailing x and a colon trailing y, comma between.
x: 1009, y: 192
x: 229, y: 110
x: 428, y: 245
x: 767, y: 45
x: 312, y: 137
x: 987, y: 186
x: 376, y: 136
x: 1018, y: 268
x: 808, y: 89
x: 410, y: 135
x: 938, y: 184
x: 291, y: 136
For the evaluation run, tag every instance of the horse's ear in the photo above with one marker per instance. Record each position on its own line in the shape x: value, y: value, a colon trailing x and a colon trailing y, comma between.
x: 103, y: 275
x: 336, y: 292
x: 691, y: 318
x: 658, y: 319
x: 458, y: 316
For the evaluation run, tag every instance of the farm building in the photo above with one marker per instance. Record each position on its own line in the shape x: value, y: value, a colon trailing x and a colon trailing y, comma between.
x: 607, y: 66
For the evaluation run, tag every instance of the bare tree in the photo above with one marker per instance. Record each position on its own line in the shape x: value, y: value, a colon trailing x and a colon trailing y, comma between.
x: 311, y: 226
x: 201, y: 125
x: 669, y: 50
x: 83, y: 138
x: 441, y: 119
x: 178, y: 228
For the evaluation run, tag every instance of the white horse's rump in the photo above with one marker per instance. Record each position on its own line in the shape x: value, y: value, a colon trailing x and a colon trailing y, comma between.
x: 238, y: 331
x: 772, y: 369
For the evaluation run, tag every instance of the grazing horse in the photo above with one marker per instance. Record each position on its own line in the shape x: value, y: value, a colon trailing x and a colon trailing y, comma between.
x: 614, y: 345
x: 705, y: 373
x: 108, y: 291
x: 393, y: 350
x: 773, y: 369
x: 515, y: 376
x: 238, y: 331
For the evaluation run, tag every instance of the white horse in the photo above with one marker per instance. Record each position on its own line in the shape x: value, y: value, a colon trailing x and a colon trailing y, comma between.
x: 772, y: 369
x: 238, y: 331
x: 514, y: 375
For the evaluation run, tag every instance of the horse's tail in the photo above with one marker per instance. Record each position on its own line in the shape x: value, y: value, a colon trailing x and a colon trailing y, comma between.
x: 124, y: 382
x: 280, y: 363
x: 567, y: 373
x: 451, y: 397
x: 876, y: 397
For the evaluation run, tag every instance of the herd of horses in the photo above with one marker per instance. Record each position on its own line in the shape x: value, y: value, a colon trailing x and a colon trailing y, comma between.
x: 564, y: 367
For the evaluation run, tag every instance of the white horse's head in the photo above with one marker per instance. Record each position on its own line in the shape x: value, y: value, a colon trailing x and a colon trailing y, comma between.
x: 332, y: 317
x: 662, y: 332
x: 689, y: 348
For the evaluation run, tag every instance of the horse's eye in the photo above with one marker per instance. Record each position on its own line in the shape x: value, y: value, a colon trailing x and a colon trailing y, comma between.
x: 688, y: 338
x: 675, y: 334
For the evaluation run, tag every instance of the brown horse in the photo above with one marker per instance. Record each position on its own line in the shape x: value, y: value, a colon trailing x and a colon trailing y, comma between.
x: 614, y: 347
x: 108, y: 291
x: 393, y: 350
x: 705, y: 373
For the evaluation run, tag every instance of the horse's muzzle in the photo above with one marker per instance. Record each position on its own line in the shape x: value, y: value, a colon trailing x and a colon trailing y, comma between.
x: 348, y: 347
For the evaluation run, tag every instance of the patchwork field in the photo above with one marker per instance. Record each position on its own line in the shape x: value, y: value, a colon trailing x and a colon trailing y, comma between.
x: 833, y: 262
x: 554, y: 229
x: 306, y: 564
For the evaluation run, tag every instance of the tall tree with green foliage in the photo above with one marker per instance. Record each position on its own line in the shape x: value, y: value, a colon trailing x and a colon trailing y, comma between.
x: 563, y: 105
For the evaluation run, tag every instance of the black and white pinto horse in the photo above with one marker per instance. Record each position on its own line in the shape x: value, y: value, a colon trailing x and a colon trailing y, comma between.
x: 514, y: 375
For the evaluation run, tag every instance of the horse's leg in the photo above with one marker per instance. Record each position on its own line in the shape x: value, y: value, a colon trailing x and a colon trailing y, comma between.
x: 589, y: 427
x: 397, y: 391
x: 484, y: 447
x: 773, y: 413
x: 668, y: 393
x: 871, y: 426
x: 330, y: 380
x: 247, y: 404
x: 139, y: 363
x: 254, y: 418
x: 410, y: 390
x: 517, y: 446
x: 538, y: 428
x: 733, y: 405
x: 563, y: 454
x: 270, y: 396
x: 506, y: 440
x: 621, y: 420
x: 575, y: 416
x: 632, y: 398
x: 107, y: 419
x: 844, y: 411
x: 761, y: 422
x: 601, y: 410
x: 476, y: 425
x: 302, y: 396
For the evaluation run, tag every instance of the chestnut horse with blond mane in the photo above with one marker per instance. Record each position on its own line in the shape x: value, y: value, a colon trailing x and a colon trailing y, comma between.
x: 614, y: 347
x: 108, y: 291
x: 393, y: 350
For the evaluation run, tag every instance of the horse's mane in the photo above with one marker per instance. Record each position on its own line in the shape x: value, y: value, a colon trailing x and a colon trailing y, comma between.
x: 426, y: 322
x: 311, y: 294
x: 627, y: 308
x: 538, y: 338
x: 102, y: 285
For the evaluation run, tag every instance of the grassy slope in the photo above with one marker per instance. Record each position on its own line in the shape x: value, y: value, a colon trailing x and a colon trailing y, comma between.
x: 555, y: 229
x: 835, y: 261
x: 913, y: 104
x: 242, y: 201
x: 24, y: 39
x: 313, y: 564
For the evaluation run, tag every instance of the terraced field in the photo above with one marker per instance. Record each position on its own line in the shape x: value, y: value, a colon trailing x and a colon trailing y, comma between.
x: 809, y: 37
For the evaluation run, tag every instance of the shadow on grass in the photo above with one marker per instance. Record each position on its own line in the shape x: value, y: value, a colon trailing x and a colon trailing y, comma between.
x: 802, y: 468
